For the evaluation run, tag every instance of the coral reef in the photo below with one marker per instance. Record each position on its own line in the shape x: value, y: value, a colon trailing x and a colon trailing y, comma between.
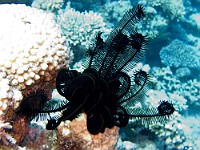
x: 141, y: 144
x: 175, y: 134
x: 38, y: 138
x: 189, y: 90
x: 76, y: 133
x: 48, y: 5
x: 153, y: 25
x: 35, y: 52
x: 172, y: 9
x: 6, y: 138
x: 177, y: 53
x: 80, y: 28
x: 32, y: 50
x: 104, y: 91
x: 191, y: 130
x: 179, y: 102
x: 183, y: 72
x: 161, y: 17
x: 172, y: 133
x: 113, y: 11
x: 178, y: 133
x: 195, y: 19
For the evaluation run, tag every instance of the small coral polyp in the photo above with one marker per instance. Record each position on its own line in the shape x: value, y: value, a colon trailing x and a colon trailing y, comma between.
x: 32, y: 50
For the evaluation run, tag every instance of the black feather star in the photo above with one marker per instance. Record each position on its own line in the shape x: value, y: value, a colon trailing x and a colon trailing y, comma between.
x: 34, y: 101
x: 104, y: 91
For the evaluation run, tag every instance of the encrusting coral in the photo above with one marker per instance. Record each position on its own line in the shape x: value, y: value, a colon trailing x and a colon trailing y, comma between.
x: 32, y: 51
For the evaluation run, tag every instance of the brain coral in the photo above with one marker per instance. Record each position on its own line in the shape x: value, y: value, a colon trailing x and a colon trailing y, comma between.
x: 32, y: 50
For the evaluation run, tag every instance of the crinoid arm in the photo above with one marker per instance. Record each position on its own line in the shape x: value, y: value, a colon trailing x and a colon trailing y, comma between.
x: 63, y: 77
x: 151, y: 115
x: 53, y: 123
x: 123, y: 48
x: 120, y: 117
x: 95, y: 124
x: 31, y: 103
x: 140, y: 82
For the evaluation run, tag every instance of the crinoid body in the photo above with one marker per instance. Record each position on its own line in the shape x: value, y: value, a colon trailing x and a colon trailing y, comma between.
x: 104, y: 91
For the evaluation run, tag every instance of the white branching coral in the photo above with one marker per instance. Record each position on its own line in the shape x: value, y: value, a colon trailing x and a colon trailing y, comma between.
x: 173, y: 9
x: 182, y: 92
x: 159, y: 14
x: 195, y: 20
x: 171, y: 133
x: 32, y: 50
x: 152, y: 25
x: 115, y: 10
x: 80, y: 28
x: 48, y: 5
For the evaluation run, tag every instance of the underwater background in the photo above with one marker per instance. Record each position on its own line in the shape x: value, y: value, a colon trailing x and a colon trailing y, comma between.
x: 172, y: 59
